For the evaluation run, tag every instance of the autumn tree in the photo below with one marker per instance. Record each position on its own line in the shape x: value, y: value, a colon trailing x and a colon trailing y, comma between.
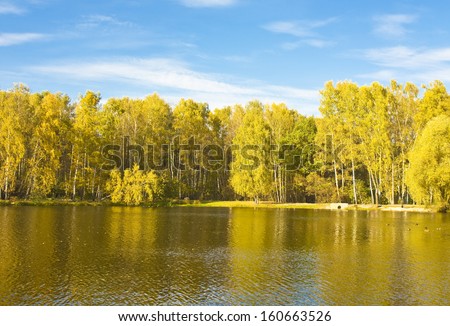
x: 250, y: 174
x: 12, y: 137
x: 435, y: 101
x: 429, y: 175
x: 47, y: 141
x: 300, y: 160
x: 134, y: 187
x: 358, y: 150
x: 191, y: 131
x: 402, y: 110
x: 215, y: 155
x: 86, y: 148
x: 146, y: 123
x: 281, y: 122
x: 338, y: 130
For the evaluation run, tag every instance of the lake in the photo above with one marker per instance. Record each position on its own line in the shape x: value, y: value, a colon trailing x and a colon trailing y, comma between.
x: 222, y: 256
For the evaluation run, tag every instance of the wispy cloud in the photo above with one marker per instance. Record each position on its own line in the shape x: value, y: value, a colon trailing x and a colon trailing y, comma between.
x: 9, y: 8
x: 306, y: 31
x: 414, y: 64
x: 237, y: 58
x: 298, y: 28
x: 289, y: 27
x: 393, y: 26
x: 93, y: 21
x: 408, y: 58
x: 9, y: 39
x: 177, y: 79
x: 316, y: 43
x: 381, y: 75
x: 99, y: 31
x: 208, y: 3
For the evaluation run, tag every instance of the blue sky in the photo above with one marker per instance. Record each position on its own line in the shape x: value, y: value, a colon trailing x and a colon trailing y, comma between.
x: 220, y: 51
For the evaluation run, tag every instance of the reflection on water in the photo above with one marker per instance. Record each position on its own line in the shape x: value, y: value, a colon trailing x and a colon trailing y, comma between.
x: 221, y: 256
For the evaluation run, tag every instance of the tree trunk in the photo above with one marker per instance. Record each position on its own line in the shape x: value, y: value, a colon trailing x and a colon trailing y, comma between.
x: 336, y: 181
x: 74, y: 185
x: 355, y: 196
x: 392, y: 185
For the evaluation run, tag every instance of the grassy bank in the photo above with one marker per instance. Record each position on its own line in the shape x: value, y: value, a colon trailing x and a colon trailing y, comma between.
x: 406, y: 208
x: 224, y: 204
x: 252, y: 204
x: 50, y: 202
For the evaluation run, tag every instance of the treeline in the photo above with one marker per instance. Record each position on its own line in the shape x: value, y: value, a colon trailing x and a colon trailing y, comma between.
x: 377, y: 137
x: 361, y: 150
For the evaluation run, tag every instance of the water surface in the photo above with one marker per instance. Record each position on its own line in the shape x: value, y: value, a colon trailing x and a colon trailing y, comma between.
x: 222, y: 256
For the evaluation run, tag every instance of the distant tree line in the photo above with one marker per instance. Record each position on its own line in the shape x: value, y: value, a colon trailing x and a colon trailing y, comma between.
x: 372, y: 144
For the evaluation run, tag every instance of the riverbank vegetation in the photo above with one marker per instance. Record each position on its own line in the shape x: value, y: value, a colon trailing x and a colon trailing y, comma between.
x: 372, y: 144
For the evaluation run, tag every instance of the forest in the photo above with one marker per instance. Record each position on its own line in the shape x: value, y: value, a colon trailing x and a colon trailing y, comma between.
x: 372, y: 144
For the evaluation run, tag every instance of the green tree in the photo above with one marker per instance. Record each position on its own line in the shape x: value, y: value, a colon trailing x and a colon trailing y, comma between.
x: 219, y: 122
x: 304, y: 151
x: 318, y: 187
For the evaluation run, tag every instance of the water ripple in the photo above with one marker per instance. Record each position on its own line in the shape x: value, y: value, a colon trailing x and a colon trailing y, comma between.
x: 192, y: 256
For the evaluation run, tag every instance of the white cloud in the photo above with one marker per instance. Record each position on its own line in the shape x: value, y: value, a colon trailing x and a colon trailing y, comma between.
x: 291, y: 28
x: 8, y: 39
x: 420, y: 65
x: 304, y: 30
x: 392, y: 26
x: 93, y: 21
x: 408, y: 58
x: 9, y: 8
x: 381, y: 75
x: 298, y: 28
x: 442, y: 74
x: 208, y: 3
x: 176, y: 79
x: 316, y: 43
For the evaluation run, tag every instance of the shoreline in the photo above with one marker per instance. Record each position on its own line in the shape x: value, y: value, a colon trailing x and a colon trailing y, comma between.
x: 228, y: 204
x: 315, y: 206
